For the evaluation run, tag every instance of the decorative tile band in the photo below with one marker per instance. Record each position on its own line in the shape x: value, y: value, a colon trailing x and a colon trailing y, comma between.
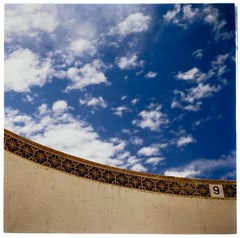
x: 83, y: 168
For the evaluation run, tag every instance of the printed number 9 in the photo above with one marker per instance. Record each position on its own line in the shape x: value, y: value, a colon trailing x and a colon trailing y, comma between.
x: 216, y: 190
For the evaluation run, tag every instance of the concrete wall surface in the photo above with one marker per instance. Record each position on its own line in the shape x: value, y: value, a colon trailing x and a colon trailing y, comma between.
x: 42, y: 199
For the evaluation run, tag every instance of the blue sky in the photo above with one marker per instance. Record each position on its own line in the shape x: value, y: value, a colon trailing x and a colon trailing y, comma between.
x: 149, y: 88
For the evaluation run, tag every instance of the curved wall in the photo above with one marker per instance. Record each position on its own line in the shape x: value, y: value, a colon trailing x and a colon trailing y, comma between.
x: 49, y: 191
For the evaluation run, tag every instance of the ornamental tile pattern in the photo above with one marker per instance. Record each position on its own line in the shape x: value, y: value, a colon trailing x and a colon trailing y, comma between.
x: 106, y: 174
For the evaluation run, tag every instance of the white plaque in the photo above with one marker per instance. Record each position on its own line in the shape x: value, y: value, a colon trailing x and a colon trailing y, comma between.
x: 216, y: 190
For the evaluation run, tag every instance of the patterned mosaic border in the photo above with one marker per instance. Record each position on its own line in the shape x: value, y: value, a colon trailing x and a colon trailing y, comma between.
x: 83, y: 168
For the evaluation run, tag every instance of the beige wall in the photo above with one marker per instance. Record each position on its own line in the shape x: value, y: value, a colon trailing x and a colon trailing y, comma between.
x: 41, y: 199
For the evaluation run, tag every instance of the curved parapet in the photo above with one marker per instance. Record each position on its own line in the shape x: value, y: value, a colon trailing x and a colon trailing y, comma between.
x: 49, y: 191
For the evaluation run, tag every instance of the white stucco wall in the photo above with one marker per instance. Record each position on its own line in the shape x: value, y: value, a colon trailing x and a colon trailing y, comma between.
x: 41, y: 199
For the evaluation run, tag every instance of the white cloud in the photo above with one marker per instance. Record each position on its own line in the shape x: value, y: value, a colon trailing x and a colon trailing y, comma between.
x: 83, y: 46
x: 89, y: 74
x: 126, y: 131
x: 24, y: 69
x: 84, y: 28
x: 171, y: 14
x: 25, y: 19
x: 118, y: 111
x: 148, y: 151
x: 196, y: 106
x: 212, y: 17
x: 152, y: 118
x: 59, y: 106
x: 135, y: 101
x: 184, y: 140
x: 188, y: 75
x: 132, y: 160
x: 124, y: 97
x: 203, y: 87
x: 191, y: 99
x: 186, y: 173
x: 42, y: 109
x: 194, y: 75
x: 30, y: 98
x: 129, y: 62
x: 219, y: 65
x: 19, y: 122
x: 206, y: 167
x: 140, y: 72
x: 89, y: 144
x: 182, y: 16
x: 151, y: 74
x: 202, y: 121
x: 198, y: 54
x: 200, y: 91
x: 94, y: 102
x: 136, y: 140
x: 193, y: 106
x: 154, y: 160
x: 134, y: 23
x: 175, y: 104
x: 51, y: 129
x: 188, y: 12
x: 138, y: 167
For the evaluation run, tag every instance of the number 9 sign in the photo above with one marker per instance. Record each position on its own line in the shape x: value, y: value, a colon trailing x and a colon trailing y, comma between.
x: 216, y: 190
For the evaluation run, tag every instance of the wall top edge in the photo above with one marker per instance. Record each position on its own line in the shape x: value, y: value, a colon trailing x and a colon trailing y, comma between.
x: 46, y: 156
x: 116, y: 169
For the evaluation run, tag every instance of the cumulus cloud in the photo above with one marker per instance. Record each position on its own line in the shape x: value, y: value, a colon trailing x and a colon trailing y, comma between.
x: 136, y: 140
x: 202, y: 86
x: 184, y: 15
x: 188, y: 75
x: 152, y: 154
x: 188, y: 12
x: 134, y: 23
x: 42, y: 109
x: 200, y: 91
x: 219, y: 66
x: 129, y: 62
x: 51, y: 125
x: 151, y: 118
x: 83, y: 46
x: 212, y: 17
x: 24, y: 69
x: 88, y: 74
x: 191, y: 99
x: 171, y: 14
x: 181, y: 16
x: 151, y: 74
x: 196, y: 106
x: 59, y: 106
x: 135, y: 101
x: 198, y: 54
x: 185, y: 173
x: 64, y: 132
x: 124, y: 97
x: 148, y: 151
x: 139, y: 167
x: 26, y: 19
x: 30, y: 98
x: 184, y: 140
x: 154, y: 160
x: 206, y: 167
x: 118, y: 111
x: 94, y: 102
